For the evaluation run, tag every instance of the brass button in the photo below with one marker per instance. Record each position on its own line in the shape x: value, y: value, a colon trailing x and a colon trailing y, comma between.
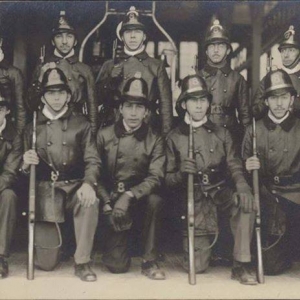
x: 64, y: 143
x: 211, y: 150
x: 273, y: 192
x: 69, y: 78
x: 66, y: 181
x: 212, y: 170
x: 199, y: 172
x: 49, y: 123
x: 64, y: 163
x: 57, y: 62
x: 49, y: 143
x: 225, y: 75
x: 225, y: 91
x: 225, y: 125
x: 212, y: 89
x: 285, y: 150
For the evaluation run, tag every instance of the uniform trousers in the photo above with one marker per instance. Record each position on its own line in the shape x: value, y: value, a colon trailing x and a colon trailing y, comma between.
x: 8, y: 204
x: 279, y: 249
x: 85, y: 223
x: 146, y: 215
x: 241, y: 227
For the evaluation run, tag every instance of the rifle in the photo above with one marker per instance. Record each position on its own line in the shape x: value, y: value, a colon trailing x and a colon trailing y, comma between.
x: 114, y: 50
x: 190, y: 216
x: 32, y: 182
x: 260, y: 267
x: 31, y: 214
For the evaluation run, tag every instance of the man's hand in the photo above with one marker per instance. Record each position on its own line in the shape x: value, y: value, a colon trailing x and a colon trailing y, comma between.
x: 188, y: 165
x: 30, y: 157
x: 44, y: 68
x: 117, y: 71
x: 252, y: 163
x: 86, y: 195
x: 120, y: 211
x: 245, y: 201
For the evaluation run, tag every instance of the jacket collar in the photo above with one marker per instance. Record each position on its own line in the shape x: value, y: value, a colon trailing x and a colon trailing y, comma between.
x: 9, y: 132
x: 72, y: 60
x: 42, y: 119
x: 143, y: 55
x: 185, y: 128
x: 139, y: 134
x: 4, y: 64
x: 213, y: 70
x: 286, y: 125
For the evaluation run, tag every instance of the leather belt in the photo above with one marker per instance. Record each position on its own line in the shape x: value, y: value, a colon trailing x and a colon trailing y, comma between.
x: 284, y: 180
x: 58, y: 176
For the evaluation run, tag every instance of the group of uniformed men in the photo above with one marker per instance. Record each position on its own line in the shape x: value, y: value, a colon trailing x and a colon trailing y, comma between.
x: 121, y: 163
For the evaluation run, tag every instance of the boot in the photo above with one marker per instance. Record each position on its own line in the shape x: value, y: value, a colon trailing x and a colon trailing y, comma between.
x: 3, y: 268
x: 242, y: 273
x: 152, y: 270
x: 85, y: 273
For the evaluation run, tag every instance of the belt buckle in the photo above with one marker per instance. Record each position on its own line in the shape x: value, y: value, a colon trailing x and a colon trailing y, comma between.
x: 121, y: 187
x: 205, y: 179
x: 54, y: 175
x: 276, y: 180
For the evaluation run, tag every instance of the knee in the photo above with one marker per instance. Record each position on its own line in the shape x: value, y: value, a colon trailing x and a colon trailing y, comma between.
x: 155, y: 202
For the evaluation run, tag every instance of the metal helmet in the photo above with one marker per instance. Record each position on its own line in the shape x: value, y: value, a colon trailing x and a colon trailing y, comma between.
x: 130, y: 22
x: 136, y: 90
x: 193, y: 86
x: 278, y: 82
x: 63, y: 25
x: 217, y: 34
x: 289, y: 39
x: 54, y: 79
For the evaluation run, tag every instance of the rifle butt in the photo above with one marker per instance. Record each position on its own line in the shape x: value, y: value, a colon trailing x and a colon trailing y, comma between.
x: 191, y: 230
x: 31, y: 224
x: 260, y: 267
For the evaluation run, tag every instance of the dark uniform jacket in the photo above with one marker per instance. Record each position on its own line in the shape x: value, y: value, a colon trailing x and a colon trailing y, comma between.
x: 12, y: 82
x: 67, y: 148
x: 9, y: 163
x: 278, y: 149
x: 230, y: 93
x: 153, y: 72
x: 81, y: 82
x: 216, y: 157
x: 133, y: 161
x: 259, y: 107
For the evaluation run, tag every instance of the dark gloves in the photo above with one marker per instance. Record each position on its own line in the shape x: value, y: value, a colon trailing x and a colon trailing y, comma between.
x: 188, y: 166
x: 120, y: 216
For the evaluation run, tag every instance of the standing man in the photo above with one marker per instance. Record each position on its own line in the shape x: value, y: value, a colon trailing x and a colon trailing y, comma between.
x: 133, y: 161
x: 228, y: 88
x: 8, y: 199
x: 67, y: 169
x: 215, y: 156
x: 289, y: 50
x: 12, y: 84
x: 115, y: 74
x: 79, y: 75
x: 278, y: 146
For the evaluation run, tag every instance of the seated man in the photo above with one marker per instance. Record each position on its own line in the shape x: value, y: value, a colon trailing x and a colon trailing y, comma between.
x: 215, y: 156
x: 8, y: 198
x: 67, y: 169
x: 278, y: 147
x: 133, y: 163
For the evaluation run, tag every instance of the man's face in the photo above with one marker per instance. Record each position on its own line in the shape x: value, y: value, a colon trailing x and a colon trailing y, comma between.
x: 56, y: 99
x: 289, y: 55
x: 64, y: 42
x: 196, y: 107
x: 3, y: 112
x: 133, y: 114
x: 217, y: 52
x: 280, y: 105
x: 133, y: 39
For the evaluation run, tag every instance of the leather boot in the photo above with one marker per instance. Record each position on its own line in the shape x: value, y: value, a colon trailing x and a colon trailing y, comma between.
x: 152, y: 270
x: 3, y: 268
x: 242, y: 273
x: 85, y: 273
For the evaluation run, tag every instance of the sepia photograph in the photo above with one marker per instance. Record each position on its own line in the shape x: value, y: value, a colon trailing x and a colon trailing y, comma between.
x: 149, y: 149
